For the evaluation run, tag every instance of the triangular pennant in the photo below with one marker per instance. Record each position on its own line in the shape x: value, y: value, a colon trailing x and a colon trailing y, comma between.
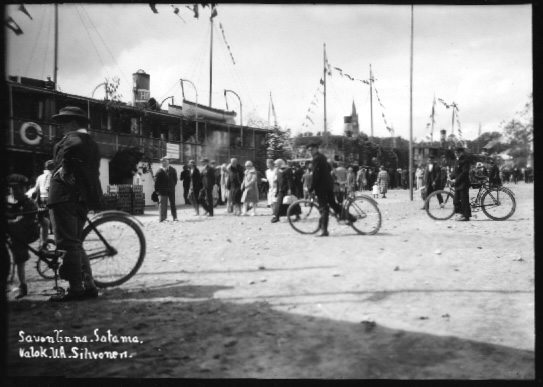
x: 23, y: 9
x: 10, y: 23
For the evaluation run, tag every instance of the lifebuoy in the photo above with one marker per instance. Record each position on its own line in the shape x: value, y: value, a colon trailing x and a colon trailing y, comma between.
x: 31, y: 133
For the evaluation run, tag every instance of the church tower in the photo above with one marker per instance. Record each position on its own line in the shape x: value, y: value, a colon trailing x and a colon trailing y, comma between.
x: 351, y: 126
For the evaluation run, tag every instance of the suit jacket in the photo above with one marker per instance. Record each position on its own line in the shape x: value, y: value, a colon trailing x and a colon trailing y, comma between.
x: 185, y: 177
x: 195, y: 180
x: 285, y: 181
x: 431, y: 177
x: 77, y: 153
x: 322, y: 174
x: 461, y: 173
x: 208, y: 177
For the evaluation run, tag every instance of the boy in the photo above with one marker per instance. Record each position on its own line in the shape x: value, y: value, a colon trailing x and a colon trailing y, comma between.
x: 23, y: 228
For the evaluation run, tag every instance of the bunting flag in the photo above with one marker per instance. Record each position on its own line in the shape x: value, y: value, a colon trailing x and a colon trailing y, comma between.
x: 348, y: 76
x: 10, y: 23
x: 340, y: 71
x: 225, y: 42
x: 153, y: 7
x: 23, y: 10
x: 428, y: 137
x: 176, y: 12
x: 194, y: 9
x: 444, y: 103
x: 309, y: 119
x: 322, y: 81
x: 380, y: 103
x: 213, y: 11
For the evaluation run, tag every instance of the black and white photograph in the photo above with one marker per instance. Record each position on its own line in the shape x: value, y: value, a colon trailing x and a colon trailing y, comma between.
x: 268, y: 191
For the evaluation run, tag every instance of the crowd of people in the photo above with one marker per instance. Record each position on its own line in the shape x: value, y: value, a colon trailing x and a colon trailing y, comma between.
x: 69, y: 187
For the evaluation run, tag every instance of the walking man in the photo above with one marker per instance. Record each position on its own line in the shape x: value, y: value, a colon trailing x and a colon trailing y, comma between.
x: 185, y: 178
x: 195, y: 186
x: 74, y: 190
x: 461, y: 183
x: 208, y: 181
x: 323, y: 186
x: 432, y: 179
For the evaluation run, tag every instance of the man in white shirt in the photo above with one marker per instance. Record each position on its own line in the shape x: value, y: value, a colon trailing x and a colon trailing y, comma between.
x: 271, y: 176
x: 41, y: 190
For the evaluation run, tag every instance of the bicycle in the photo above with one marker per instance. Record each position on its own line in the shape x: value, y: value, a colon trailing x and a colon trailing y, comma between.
x: 496, y: 202
x: 114, y: 243
x: 362, y: 207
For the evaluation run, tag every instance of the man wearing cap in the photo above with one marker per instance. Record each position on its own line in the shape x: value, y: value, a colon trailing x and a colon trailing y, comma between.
x: 195, y: 186
x: 208, y: 181
x: 323, y: 186
x: 74, y: 190
x: 165, y: 182
x: 432, y: 179
x: 461, y: 181
x: 41, y: 191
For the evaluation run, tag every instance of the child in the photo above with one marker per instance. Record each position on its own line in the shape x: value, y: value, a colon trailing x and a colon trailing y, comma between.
x: 351, y: 182
x: 23, y: 229
x: 375, y: 190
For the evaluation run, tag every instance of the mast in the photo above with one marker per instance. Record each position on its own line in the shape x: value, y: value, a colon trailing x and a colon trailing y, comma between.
x: 211, y: 61
x: 324, y: 69
x: 371, y: 102
x: 433, y: 112
x: 56, y: 46
x: 411, y: 113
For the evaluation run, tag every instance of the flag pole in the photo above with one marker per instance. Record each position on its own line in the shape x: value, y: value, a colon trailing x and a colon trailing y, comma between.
x: 324, y: 69
x: 56, y: 46
x: 411, y: 114
x: 211, y: 60
x: 371, y: 103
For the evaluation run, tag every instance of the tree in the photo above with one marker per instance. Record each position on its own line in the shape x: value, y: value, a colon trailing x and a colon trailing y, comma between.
x: 112, y: 87
x: 279, y: 144
x: 519, y: 135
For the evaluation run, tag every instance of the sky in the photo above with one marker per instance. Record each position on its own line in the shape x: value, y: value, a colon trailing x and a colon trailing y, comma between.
x: 476, y: 56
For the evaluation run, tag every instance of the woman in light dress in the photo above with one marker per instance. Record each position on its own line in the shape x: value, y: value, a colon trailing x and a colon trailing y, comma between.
x: 250, y: 189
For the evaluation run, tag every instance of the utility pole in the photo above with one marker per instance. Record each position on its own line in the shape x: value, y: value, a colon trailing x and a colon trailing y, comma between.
x: 411, y: 115
x: 56, y: 46
x: 371, y: 102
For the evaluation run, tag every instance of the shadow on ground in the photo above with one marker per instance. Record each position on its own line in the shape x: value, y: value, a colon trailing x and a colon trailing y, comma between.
x: 217, y: 339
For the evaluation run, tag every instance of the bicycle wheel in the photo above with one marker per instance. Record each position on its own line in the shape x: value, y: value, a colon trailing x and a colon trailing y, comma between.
x: 440, y: 209
x: 367, y: 214
x: 116, y: 260
x: 43, y: 269
x: 303, y: 215
x: 498, y: 204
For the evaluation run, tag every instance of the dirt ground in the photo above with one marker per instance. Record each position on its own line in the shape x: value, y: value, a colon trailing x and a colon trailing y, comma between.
x: 240, y: 297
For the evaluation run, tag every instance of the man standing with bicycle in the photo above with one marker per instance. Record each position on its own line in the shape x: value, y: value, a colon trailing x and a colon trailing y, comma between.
x: 74, y: 190
x: 322, y: 185
x: 461, y: 182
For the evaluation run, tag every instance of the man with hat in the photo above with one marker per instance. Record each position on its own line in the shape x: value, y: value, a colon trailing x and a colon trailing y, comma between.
x: 74, y: 190
x: 208, y: 181
x: 195, y: 186
x: 461, y: 181
x: 23, y: 229
x: 323, y: 186
x: 41, y: 191
x: 165, y: 182
x: 432, y: 179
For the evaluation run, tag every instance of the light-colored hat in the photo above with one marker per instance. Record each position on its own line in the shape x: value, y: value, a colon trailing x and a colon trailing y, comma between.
x: 279, y: 163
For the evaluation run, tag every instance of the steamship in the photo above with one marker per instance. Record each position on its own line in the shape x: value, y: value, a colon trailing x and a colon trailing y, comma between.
x: 181, y: 133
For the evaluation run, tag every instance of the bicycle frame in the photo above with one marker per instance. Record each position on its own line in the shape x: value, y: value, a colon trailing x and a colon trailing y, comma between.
x: 485, y: 187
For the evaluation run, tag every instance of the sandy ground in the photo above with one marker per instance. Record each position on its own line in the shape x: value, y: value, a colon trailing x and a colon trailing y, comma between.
x: 240, y: 297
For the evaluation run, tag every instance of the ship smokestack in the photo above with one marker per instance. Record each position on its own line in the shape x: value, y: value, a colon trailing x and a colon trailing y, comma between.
x: 141, y: 88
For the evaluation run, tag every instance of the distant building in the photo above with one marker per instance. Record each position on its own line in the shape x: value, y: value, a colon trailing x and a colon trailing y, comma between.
x: 351, y: 127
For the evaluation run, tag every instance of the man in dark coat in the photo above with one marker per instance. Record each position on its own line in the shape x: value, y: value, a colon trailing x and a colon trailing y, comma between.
x: 233, y: 185
x: 298, y: 185
x: 285, y: 186
x: 323, y: 186
x: 185, y: 178
x: 432, y: 179
x: 165, y: 182
x: 208, y: 181
x: 195, y: 186
x: 461, y: 183
x: 74, y: 190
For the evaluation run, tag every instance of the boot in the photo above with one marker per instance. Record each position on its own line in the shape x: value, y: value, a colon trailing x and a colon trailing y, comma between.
x: 324, y: 227
x: 23, y: 291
